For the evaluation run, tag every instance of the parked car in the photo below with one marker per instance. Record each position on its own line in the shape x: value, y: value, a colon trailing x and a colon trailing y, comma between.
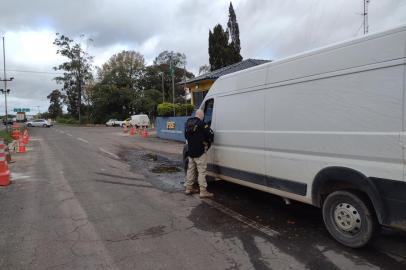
x: 39, y: 123
x: 139, y: 120
x: 324, y: 128
x: 114, y: 123
x: 111, y: 122
x: 9, y: 121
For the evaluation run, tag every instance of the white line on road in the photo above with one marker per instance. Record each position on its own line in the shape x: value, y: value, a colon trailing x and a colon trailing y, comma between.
x: 83, y: 140
x: 69, y: 134
x: 231, y: 213
x: 109, y: 153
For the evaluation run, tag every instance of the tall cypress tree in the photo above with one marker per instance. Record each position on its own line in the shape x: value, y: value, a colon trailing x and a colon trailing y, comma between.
x: 234, y: 34
x: 218, y: 48
x: 224, y: 45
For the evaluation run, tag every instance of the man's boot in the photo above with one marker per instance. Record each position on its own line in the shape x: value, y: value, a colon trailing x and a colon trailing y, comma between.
x: 190, y: 190
x: 205, y: 194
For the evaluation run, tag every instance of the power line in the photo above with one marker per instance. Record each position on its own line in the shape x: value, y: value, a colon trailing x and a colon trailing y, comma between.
x: 34, y: 72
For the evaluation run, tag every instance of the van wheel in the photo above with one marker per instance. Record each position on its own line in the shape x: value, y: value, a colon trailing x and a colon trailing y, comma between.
x: 349, y: 218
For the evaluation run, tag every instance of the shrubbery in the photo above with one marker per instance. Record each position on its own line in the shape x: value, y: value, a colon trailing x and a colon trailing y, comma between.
x: 166, y: 109
x: 6, y: 136
x: 66, y: 120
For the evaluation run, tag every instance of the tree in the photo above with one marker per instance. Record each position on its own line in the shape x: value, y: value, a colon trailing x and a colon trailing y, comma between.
x: 166, y: 57
x: 76, y: 72
x: 218, y: 47
x: 123, y: 69
x: 118, y: 88
x: 204, y: 69
x: 224, y: 46
x: 234, y: 34
x: 55, y: 100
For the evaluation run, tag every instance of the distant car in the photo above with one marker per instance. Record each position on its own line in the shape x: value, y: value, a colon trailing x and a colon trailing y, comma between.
x: 39, y: 123
x: 140, y: 120
x: 9, y: 121
x: 111, y: 123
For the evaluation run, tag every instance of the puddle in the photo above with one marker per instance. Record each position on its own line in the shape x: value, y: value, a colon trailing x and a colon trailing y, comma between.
x: 165, y: 169
x: 151, y: 157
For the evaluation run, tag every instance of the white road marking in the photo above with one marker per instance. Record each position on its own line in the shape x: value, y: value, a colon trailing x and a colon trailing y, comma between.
x: 231, y: 213
x: 83, y: 140
x: 18, y: 176
x: 69, y: 134
x: 109, y: 153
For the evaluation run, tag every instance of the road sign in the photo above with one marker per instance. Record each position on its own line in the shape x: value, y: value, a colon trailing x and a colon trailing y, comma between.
x: 21, y: 110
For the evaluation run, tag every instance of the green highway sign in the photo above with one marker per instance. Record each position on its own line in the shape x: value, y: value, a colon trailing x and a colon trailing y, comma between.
x: 21, y: 110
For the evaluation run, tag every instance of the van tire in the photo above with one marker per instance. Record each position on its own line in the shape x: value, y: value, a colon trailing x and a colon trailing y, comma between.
x: 349, y: 218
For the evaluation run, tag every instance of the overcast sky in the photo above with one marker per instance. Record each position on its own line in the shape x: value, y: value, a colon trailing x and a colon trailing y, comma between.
x: 269, y: 29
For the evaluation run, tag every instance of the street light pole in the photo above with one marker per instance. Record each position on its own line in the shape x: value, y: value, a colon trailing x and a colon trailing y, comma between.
x: 163, y: 86
x: 5, y: 80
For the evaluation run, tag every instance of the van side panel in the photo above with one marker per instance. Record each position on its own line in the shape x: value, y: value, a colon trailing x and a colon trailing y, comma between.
x: 239, y: 132
x: 352, y: 120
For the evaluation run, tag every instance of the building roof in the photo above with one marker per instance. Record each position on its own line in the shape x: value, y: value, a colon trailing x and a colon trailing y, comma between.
x: 215, y: 74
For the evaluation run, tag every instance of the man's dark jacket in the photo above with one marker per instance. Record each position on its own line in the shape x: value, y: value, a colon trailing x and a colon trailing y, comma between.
x: 197, y: 133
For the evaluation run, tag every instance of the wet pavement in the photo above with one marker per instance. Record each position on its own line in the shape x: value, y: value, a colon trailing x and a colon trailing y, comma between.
x: 301, y: 236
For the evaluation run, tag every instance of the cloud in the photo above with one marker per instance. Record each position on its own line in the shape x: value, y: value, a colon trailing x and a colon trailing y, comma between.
x: 269, y: 29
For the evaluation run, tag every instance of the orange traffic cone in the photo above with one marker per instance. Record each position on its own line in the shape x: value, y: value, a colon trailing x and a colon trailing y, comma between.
x: 25, y: 139
x: 21, y: 147
x: 132, y: 131
x: 15, y: 134
x: 4, y: 171
x: 146, y: 133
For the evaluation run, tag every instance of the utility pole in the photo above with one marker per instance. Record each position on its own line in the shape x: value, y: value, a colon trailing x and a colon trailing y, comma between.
x: 163, y: 86
x: 5, y: 80
x: 80, y: 90
x: 184, y: 85
x: 365, y: 14
x: 173, y: 85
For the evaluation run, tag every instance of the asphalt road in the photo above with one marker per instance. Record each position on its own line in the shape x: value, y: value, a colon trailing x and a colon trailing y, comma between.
x: 90, y: 198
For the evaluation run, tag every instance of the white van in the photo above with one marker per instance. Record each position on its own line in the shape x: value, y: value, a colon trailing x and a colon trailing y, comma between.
x: 326, y: 128
x: 139, y: 120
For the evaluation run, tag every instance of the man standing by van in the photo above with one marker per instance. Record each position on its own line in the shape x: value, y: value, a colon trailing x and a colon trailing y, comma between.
x: 199, y: 137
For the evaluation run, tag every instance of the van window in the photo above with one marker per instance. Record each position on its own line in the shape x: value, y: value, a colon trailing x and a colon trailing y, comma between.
x: 208, y: 111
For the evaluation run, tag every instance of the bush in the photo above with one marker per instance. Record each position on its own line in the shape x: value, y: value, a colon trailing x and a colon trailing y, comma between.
x: 6, y: 136
x: 184, y: 110
x: 166, y: 109
x: 68, y: 120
